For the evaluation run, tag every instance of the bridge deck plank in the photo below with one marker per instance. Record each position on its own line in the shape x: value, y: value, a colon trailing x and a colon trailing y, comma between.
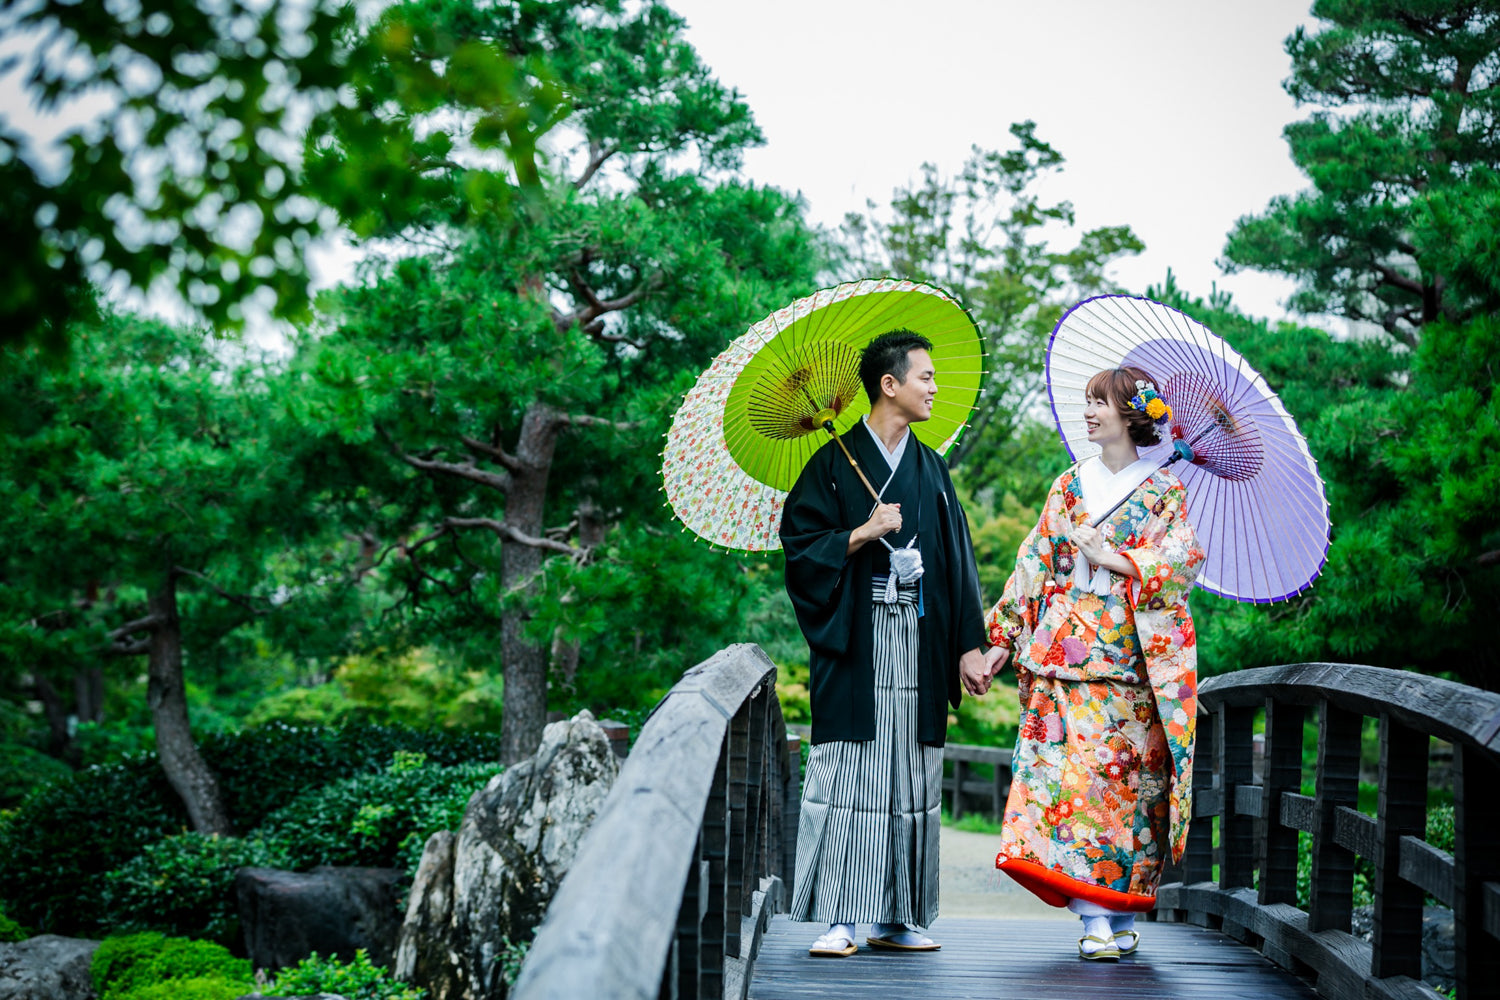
x: 1022, y: 960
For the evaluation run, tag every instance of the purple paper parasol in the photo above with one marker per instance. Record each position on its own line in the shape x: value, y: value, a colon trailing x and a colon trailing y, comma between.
x: 1254, y: 494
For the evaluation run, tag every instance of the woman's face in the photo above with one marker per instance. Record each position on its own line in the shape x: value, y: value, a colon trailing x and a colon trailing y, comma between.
x: 1104, y: 422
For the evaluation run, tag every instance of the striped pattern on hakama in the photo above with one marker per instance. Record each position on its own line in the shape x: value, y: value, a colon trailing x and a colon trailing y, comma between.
x: 867, y: 839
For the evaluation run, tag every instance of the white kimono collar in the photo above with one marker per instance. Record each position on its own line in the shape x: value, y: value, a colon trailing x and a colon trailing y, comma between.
x: 1104, y: 491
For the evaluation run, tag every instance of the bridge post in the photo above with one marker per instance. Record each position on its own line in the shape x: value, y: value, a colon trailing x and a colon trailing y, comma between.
x: 1402, y: 811
x: 715, y: 843
x: 1236, y: 832
x: 1198, y: 856
x: 1283, y: 773
x: 1476, y: 860
x: 791, y: 813
x: 1332, y: 901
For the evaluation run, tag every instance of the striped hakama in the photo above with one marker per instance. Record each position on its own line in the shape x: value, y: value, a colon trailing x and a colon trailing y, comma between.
x: 867, y: 839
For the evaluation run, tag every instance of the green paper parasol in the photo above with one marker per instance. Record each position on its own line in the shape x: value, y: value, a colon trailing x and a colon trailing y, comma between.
x: 755, y: 417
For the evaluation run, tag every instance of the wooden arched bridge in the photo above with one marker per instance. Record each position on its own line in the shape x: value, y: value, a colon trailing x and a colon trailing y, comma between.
x: 678, y: 887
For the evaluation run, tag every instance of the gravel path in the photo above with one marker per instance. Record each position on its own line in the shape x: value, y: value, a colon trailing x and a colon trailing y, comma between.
x: 971, y: 887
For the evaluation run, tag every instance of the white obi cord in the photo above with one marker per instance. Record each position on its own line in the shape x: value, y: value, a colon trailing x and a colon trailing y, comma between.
x: 1104, y: 491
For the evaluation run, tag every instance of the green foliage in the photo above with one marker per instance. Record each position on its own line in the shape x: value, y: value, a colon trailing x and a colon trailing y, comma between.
x: 600, y: 294
x: 184, y: 885
x: 1397, y: 227
x: 268, y: 767
x: 512, y: 957
x: 378, y: 820
x: 149, y: 966
x: 193, y: 172
x: 10, y: 930
x: 354, y: 980
x: 792, y: 692
x: 23, y: 769
x: 232, y: 83
x: 414, y: 688
x: 59, y: 844
x: 973, y: 822
x: 1440, y: 830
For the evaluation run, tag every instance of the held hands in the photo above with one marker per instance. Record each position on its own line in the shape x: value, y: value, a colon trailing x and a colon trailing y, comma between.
x: 976, y: 671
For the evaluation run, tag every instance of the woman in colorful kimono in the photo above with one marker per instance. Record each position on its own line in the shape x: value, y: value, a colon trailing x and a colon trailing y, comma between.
x: 1097, y: 618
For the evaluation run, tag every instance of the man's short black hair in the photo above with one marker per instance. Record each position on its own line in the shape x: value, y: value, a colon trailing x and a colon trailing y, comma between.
x: 888, y: 354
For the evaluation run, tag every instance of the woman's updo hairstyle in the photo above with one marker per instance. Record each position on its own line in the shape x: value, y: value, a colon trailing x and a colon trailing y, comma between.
x: 1117, y: 386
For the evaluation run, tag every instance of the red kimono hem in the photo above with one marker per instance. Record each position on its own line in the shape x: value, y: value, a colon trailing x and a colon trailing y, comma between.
x: 1055, y: 888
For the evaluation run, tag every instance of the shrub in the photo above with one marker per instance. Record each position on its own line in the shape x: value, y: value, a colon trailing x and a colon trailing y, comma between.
x: 379, y: 820
x: 356, y: 980
x: 10, y: 930
x: 195, y: 988
x: 24, y: 769
x: 184, y: 885
x: 266, y: 768
x: 58, y: 845
x: 135, y: 966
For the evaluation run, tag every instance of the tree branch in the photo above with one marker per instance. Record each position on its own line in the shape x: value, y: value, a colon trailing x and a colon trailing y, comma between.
x: 499, y: 454
x: 1489, y: 558
x: 519, y: 537
x: 467, y: 470
x: 242, y: 600
x: 584, y: 420
x: 1391, y: 276
x: 598, y: 153
x: 139, y: 625
x: 595, y: 307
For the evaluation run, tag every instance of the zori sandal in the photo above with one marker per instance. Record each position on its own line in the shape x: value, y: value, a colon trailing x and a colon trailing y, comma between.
x: 834, y: 944
x: 907, y: 940
x: 1097, y: 949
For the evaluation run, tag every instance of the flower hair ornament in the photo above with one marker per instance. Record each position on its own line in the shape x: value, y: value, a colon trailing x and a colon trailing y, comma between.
x: 1149, y: 402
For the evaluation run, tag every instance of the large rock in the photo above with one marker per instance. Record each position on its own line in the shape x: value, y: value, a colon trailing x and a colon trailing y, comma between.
x: 287, y: 916
x: 1439, y: 965
x: 488, y: 886
x: 47, y: 968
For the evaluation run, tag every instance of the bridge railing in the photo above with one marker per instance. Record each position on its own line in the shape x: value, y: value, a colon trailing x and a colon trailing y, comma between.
x: 1255, y: 897
x: 691, y: 853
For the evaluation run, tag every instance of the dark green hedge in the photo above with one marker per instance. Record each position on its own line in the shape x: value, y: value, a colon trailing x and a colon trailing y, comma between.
x: 56, y: 848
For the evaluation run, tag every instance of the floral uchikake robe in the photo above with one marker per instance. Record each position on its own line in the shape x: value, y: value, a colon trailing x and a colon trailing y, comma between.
x: 1102, y: 772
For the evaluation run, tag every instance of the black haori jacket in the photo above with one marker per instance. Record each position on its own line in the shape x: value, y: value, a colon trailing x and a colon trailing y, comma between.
x: 831, y: 593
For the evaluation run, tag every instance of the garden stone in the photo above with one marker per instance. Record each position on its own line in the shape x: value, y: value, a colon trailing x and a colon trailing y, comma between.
x: 48, y: 967
x: 1438, y: 955
x: 487, y: 886
x: 287, y: 916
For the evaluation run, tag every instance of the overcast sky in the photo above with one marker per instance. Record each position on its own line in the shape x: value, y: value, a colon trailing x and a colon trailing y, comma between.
x: 1169, y: 112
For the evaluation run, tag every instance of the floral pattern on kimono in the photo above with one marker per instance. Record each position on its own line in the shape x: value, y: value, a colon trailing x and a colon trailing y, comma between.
x: 1102, y: 772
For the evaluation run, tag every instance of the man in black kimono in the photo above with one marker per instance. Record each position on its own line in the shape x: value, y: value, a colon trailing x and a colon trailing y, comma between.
x: 889, y: 652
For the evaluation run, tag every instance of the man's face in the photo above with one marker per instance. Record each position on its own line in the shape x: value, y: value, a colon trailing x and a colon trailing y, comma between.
x: 913, y: 397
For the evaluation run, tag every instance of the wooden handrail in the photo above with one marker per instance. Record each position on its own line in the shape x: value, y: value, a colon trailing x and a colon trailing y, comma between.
x: 690, y: 854
x: 1255, y: 896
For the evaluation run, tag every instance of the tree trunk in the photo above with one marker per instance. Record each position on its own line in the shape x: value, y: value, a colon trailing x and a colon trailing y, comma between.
x: 185, y: 768
x: 59, y: 733
x: 525, y: 663
x: 88, y: 691
x: 591, y: 530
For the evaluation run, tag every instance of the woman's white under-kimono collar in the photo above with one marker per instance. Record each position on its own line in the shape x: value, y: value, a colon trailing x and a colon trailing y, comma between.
x: 1103, y: 491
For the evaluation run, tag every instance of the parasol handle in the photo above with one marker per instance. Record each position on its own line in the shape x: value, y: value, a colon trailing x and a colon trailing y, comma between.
x: 827, y: 425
